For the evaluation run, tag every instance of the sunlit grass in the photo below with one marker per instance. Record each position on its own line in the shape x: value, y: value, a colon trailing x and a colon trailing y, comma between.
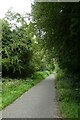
x: 13, y: 88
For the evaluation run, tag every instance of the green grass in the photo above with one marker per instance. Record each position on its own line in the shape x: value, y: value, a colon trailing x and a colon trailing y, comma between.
x: 13, y: 88
x: 67, y: 97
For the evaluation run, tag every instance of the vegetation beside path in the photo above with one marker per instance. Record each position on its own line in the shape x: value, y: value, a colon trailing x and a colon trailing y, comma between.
x: 14, y: 88
x: 67, y: 96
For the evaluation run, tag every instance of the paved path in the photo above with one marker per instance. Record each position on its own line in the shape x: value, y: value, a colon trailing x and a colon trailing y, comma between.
x: 38, y: 102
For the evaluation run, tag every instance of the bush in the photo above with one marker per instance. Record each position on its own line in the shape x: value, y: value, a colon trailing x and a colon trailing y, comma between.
x: 16, y: 51
x: 40, y: 75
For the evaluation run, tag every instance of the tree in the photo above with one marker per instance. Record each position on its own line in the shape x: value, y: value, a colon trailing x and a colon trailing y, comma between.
x: 56, y: 25
x: 16, y: 46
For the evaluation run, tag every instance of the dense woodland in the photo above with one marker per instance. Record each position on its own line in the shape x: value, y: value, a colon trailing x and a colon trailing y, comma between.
x: 58, y: 26
x: 49, y: 41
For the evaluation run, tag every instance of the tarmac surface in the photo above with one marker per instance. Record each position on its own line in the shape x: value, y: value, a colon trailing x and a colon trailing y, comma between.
x: 39, y: 102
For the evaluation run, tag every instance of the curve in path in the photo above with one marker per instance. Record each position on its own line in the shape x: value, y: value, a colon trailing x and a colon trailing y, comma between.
x: 39, y: 102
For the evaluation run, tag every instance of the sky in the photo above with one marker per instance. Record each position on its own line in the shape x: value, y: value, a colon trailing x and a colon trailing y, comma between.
x: 20, y: 6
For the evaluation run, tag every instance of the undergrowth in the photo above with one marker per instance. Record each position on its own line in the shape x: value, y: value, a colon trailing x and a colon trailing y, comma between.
x: 67, y: 96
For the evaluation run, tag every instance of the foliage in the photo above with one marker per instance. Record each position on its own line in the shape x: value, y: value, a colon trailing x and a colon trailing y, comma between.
x: 21, y: 51
x: 39, y: 58
x: 67, y: 96
x: 40, y: 75
x: 16, y: 46
x: 57, y: 25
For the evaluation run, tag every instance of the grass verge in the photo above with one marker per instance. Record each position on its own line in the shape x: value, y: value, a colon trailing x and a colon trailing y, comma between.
x: 67, y: 97
x: 13, y: 88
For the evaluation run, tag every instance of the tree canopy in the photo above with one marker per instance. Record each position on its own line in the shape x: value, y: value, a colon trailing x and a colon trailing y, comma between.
x: 58, y: 25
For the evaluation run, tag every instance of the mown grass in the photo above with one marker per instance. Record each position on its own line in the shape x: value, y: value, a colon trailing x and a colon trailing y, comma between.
x: 67, y: 97
x: 13, y: 88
